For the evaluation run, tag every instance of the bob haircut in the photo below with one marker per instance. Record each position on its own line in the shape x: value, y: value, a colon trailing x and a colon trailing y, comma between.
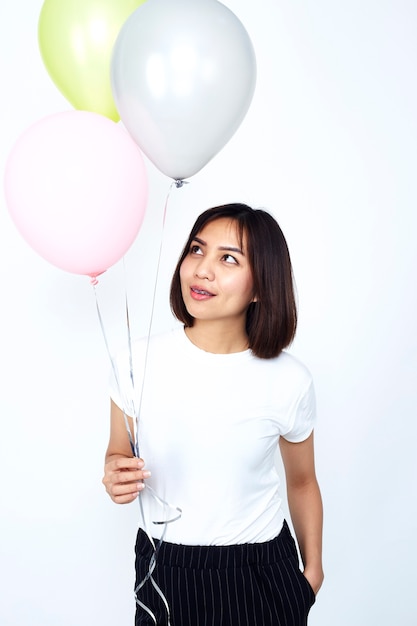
x: 271, y: 321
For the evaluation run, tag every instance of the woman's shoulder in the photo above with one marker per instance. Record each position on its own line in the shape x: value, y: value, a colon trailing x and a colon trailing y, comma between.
x: 291, y: 361
x: 287, y: 366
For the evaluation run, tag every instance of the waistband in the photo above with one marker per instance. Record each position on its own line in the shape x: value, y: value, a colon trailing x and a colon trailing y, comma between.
x: 219, y: 557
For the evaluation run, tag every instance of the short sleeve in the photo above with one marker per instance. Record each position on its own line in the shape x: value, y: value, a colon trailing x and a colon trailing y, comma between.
x: 304, y: 416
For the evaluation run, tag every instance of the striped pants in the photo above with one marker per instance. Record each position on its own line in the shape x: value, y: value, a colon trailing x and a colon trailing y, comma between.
x: 257, y: 584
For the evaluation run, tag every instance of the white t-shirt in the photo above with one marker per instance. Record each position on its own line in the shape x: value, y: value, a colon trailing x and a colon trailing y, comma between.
x: 208, y: 430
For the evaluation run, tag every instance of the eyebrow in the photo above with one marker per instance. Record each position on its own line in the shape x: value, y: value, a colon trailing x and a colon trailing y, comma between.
x: 223, y: 248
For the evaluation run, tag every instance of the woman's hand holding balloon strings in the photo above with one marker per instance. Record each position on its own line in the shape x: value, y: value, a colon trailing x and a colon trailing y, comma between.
x: 123, y: 478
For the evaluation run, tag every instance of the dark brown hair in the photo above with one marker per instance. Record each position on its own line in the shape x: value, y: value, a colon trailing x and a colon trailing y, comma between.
x: 271, y: 321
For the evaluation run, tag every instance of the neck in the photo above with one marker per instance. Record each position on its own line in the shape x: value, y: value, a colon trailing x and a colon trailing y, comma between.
x: 217, y: 339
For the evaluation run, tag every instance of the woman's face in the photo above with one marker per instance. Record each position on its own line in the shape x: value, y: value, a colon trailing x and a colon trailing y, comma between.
x: 216, y: 278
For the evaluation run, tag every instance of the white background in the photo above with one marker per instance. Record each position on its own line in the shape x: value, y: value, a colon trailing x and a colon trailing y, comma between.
x: 329, y: 147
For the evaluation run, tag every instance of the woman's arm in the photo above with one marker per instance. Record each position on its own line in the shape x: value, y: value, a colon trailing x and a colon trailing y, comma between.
x: 305, y: 504
x: 123, y: 473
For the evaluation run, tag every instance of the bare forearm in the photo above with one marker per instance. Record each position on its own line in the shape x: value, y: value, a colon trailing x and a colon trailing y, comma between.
x: 306, y: 511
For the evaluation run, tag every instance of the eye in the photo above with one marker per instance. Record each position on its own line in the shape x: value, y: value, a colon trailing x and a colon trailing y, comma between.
x: 195, y: 249
x: 230, y: 259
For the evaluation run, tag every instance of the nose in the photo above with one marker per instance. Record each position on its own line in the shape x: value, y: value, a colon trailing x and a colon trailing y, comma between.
x: 204, y: 269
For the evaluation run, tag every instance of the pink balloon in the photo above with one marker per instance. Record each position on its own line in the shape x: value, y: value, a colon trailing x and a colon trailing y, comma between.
x: 76, y: 189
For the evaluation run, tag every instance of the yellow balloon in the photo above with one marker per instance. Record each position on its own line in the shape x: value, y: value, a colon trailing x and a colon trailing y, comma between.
x: 76, y: 39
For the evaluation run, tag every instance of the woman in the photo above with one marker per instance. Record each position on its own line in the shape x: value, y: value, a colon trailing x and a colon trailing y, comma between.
x: 219, y: 394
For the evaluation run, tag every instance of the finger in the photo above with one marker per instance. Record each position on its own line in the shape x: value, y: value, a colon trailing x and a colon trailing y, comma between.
x: 124, y: 462
x: 125, y: 476
x: 124, y: 489
x: 125, y: 499
x: 125, y: 492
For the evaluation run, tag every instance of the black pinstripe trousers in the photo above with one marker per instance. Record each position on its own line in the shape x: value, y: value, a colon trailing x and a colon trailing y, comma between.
x: 257, y: 584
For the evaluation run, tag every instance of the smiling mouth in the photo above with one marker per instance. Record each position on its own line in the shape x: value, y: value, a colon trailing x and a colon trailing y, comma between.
x: 201, y: 292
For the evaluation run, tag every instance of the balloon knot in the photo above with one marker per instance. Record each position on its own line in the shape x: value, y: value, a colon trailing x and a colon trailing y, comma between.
x: 179, y: 183
x: 94, y: 281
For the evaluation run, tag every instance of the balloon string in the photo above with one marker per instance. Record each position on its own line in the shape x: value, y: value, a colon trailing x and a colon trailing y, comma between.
x: 114, y: 368
x: 135, y: 444
x: 134, y: 440
x: 135, y: 452
x: 178, y: 184
x: 155, y: 547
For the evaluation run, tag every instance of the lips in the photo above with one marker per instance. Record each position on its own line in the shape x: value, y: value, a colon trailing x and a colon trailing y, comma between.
x: 200, y: 294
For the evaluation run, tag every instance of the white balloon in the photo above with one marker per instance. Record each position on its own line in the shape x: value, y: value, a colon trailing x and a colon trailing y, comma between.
x: 183, y: 76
